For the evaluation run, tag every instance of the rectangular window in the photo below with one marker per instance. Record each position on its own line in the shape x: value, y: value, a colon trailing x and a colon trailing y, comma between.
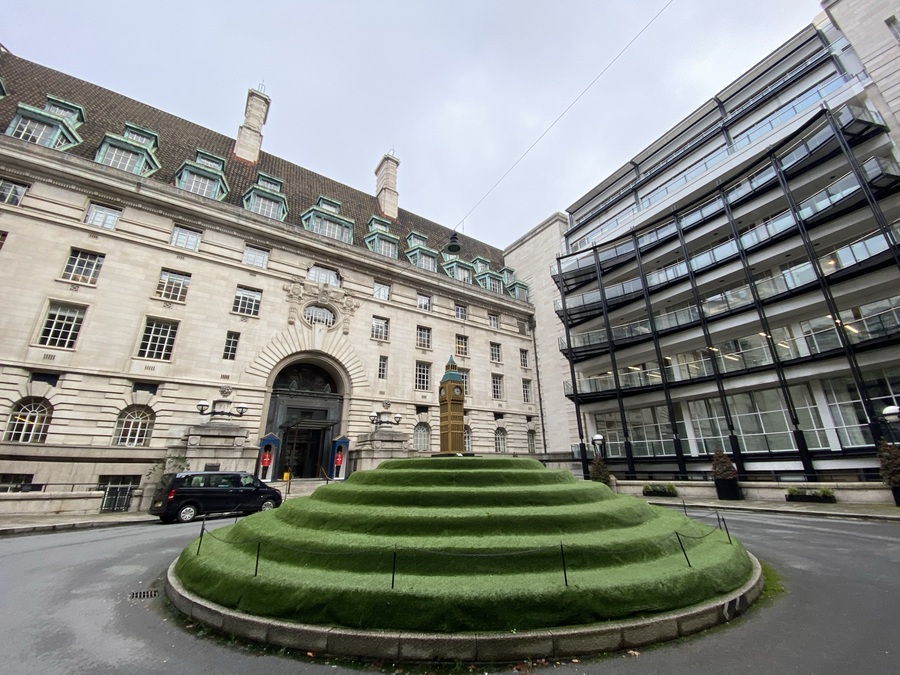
x: 423, y: 302
x: 62, y: 326
x: 497, y: 387
x: 495, y: 352
x: 423, y: 337
x: 523, y: 358
x: 426, y: 262
x: 120, y: 158
x: 83, y: 267
x: 247, y: 301
x: 140, y: 139
x: 173, y: 285
x: 255, y: 256
x: 269, y: 183
x: 381, y: 291
x: 329, y: 228
x: 102, y: 216
x: 34, y: 131
x: 11, y: 193
x: 464, y: 274
x: 494, y: 320
x: 386, y: 247
x: 894, y: 27
x: 231, y: 344
x: 526, y: 391
x: 380, y: 328
x: 185, y: 237
x: 382, y: 367
x: 3, y: 235
x: 462, y: 345
x: 270, y: 208
x: 323, y: 275
x: 462, y: 312
x: 200, y: 185
x: 495, y: 285
x: 423, y: 376
x: 158, y: 339
x: 464, y: 374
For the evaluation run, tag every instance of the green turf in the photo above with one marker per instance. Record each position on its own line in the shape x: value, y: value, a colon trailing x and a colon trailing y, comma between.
x: 469, y: 543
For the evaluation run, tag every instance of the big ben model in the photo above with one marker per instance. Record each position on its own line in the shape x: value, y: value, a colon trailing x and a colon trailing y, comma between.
x: 451, y: 398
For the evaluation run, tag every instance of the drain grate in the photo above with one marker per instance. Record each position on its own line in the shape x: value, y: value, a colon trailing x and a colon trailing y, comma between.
x: 142, y: 595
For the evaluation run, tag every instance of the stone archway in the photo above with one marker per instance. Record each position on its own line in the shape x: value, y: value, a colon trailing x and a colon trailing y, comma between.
x: 305, y: 413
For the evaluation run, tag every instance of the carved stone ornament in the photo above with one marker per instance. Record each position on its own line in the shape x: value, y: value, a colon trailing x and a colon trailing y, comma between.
x: 300, y: 292
x: 226, y: 390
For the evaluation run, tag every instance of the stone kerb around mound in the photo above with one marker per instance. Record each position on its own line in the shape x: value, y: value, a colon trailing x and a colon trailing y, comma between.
x: 449, y: 545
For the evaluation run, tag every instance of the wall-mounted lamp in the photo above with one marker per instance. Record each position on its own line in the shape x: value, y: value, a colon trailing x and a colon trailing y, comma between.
x: 382, y: 418
x: 221, y: 408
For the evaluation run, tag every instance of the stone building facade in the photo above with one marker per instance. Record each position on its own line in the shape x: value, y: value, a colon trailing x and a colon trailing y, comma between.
x: 148, y: 264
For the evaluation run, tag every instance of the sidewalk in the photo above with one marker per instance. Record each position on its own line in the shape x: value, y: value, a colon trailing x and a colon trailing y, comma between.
x: 42, y: 523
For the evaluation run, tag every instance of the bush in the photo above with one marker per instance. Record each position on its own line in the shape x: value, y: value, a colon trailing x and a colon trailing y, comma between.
x: 722, y: 466
x: 599, y: 471
x: 660, y: 490
x: 889, y: 457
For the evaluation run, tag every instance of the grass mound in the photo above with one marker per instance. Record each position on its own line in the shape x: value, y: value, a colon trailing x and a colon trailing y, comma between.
x: 451, y: 544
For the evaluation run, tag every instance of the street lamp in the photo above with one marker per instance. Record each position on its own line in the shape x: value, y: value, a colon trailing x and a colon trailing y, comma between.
x: 221, y: 408
x: 382, y: 418
x: 889, y: 416
x: 597, y: 442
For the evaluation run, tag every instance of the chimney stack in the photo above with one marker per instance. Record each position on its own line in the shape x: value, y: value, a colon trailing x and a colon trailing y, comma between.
x: 249, y: 137
x: 386, y: 185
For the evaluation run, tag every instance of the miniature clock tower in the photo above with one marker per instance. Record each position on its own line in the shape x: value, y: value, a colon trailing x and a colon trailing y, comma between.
x: 451, y: 398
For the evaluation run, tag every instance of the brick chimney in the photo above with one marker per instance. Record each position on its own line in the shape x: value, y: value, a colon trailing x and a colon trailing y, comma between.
x: 249, y: 137
x: 386, y: 185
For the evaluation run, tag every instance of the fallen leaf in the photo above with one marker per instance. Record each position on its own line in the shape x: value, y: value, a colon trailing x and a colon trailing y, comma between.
x: 632, y: 652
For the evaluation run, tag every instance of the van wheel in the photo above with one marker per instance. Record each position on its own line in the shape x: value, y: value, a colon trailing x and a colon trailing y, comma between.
x: 267, y: 505
x: 187, y: 513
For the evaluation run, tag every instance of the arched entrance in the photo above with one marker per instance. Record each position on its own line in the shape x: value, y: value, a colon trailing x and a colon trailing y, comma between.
x: 305, y: 412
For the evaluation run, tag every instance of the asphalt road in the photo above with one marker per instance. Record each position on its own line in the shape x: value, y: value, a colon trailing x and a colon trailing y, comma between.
x: 68, y: 607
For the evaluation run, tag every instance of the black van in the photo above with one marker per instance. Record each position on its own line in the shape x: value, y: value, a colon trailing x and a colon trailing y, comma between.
x: 185, y: 495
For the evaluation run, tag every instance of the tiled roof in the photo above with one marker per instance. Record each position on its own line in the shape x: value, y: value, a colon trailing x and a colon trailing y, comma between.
x: 179, y: 140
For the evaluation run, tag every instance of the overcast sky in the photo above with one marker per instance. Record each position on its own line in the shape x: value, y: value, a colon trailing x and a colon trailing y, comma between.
x: 458, y: 89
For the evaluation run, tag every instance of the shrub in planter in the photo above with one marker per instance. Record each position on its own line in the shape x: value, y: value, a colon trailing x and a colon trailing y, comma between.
x: 889, y: 457
x: 599, y: 471
x: 660, y: 490
x: 822, y: 496
x: 725, y: 477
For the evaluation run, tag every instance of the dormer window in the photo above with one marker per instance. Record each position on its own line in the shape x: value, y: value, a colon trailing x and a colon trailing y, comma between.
x: 376, y: 224
x: 508, y: 274
x: 329, y: 205
x: 423, y: 258
x: 270, y: 182
x: 204, y: 176
x: 266, y: 198
x: 460, y: 271
x: 328, y: 223
x: 481, y: 265
x: 135, y: 154
x: 415, y: 239
x: 518, y: 290
x: 383, y: 243
x: 53, y: 127
x: 491, y: 281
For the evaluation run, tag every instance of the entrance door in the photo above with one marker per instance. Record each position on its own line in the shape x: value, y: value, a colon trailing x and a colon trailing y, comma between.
x: 303, y: 452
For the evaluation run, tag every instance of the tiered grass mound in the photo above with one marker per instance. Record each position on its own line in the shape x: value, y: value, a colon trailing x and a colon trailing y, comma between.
x: 450, y: 544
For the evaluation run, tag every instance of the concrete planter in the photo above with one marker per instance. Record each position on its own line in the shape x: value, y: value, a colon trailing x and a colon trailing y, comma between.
x: 820, y: 499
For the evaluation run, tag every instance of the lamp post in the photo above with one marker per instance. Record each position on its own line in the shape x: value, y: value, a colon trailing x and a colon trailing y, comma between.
x: 221, y: 408
x: 890, y: 415
x: 599, y: 446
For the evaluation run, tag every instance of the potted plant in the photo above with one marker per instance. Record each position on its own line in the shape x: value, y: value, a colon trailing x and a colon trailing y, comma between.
x: 889, y: 457
x: 599, y: 471
x: 725, y: 477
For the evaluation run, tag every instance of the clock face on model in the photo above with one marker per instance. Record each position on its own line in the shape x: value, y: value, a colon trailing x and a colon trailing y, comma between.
x: 457, y: 391
x: 442, y: 392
